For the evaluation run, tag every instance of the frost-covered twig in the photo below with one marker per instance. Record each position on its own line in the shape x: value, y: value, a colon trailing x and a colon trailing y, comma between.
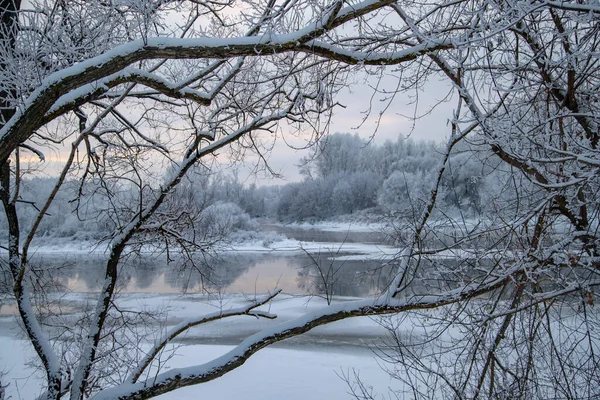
x: 182, y: 377
x: 183, y: 326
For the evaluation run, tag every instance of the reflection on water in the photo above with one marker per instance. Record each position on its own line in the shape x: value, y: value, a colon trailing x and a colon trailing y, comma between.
x: 232, y: 273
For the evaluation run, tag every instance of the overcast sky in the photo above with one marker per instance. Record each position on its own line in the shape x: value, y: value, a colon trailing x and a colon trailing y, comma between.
x: 284, y: 159
x: 394, y: 123
x: 357, y: 98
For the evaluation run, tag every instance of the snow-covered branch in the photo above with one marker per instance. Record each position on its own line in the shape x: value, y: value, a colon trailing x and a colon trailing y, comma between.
x: 183, y: 326
x: 61, y: 83
x: 334, y: 52
x: 182, y: 377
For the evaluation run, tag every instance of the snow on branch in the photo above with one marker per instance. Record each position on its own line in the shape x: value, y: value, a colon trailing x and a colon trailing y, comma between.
x: 182, y: 377
x: 189, y: 323
x: 386, y: 58
x: 573, y: 6
x: 83, y: 94
x: 32, y: 114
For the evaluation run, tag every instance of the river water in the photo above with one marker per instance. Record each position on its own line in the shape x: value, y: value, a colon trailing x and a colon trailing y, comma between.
x: 231, y: 273
x: 317, y: 273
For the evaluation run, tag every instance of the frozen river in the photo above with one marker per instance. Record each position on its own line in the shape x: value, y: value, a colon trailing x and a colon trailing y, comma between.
x: 336, y: 266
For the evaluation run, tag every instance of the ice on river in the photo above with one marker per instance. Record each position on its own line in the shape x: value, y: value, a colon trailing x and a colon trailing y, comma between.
x: 309, y: 366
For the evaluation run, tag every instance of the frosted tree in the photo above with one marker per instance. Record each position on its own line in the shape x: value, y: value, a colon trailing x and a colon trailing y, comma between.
x: 121, y: 91
x: 125, y: 90
x: 526, y: 99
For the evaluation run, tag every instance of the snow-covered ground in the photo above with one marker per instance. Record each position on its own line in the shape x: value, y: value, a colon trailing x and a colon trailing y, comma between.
x: 296, y: 246
x: 338, y: 226
x: 270, y: 374
x: 283, y: 246
x: 309, y: 366
x: 256, y: 242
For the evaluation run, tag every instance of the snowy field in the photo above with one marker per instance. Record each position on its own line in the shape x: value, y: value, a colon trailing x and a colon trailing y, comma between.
x: 328, y: 226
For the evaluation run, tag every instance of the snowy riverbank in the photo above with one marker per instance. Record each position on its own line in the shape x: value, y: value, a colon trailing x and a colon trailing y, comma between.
x: 255, y: 242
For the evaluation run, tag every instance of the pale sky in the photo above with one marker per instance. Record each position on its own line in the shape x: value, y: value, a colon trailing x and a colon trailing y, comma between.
x: 285, y: 160
x: 393, y: 123
x: 356, y: 98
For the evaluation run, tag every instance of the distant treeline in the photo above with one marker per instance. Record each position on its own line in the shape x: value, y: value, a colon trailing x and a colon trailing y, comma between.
x: 345, y: 176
